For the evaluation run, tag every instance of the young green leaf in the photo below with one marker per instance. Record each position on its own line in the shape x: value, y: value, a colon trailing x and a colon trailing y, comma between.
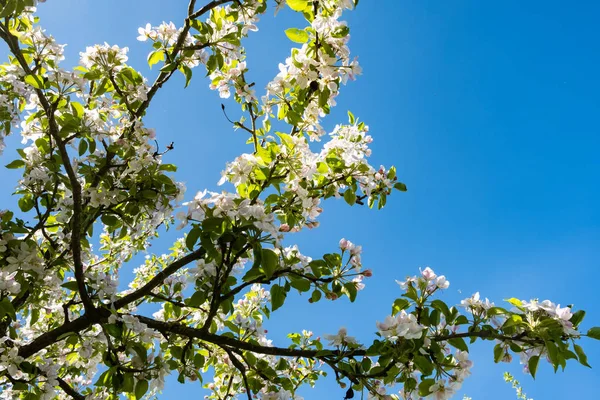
x: 296, y: 35
x: 298, y: 5
x: 594, y: 333
x: 155, y: 57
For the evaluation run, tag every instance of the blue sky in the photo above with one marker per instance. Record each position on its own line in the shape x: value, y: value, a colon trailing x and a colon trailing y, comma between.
x: 490, y: 113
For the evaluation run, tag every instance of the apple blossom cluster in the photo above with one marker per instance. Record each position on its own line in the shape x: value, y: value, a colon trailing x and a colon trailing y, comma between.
x: 341, y: 339
x: 547, y: 308
x: 95, y: 191
x: 232, y: 20
x: 230, y: 206
x: 402, y: 325
x: 340, y: 166
x: 221, y: 32
x: 429, y: 281
x: 312, y: 75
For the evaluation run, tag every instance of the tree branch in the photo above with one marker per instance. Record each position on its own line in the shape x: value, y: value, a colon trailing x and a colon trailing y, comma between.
x: 13, y: 44
x: 69, y: 390
x: 158, y: 279
x: 208, y: 7
x: 180, y: 329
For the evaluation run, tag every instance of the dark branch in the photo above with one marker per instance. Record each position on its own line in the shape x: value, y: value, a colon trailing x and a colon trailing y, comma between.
x: 159, y: 279
x: 69, y: 390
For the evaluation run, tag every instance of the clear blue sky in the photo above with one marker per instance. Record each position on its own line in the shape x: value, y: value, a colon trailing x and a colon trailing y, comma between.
x: 490, y: 113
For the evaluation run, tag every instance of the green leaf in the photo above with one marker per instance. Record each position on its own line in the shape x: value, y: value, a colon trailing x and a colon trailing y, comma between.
x: 514, y: 301
x: 424, y: 387
x: 315, y: 296
x: 114, y: 330
x: 26, y: 203
x: 350, y: 197
x: 197, y: 299
x: 302, y: 285
x: 581, y: 355
x: 533, y: 364
x: 351, y: 118
x: 6, y: 308
x: 498, y: 353
x: 128, y: 382
x: 169, y: 67
x: 192, y: 238
x: 20, y: 386
x: 141, y: 388
x: 187, y: 72
x: 594, y: 333
x: 15, y: 164
x: 269, y: 262
x: 400, y: 186
x: 35, y: 81
x: 552, y: 353
x: 341, y: 32
x: 297, y: 35
x: 8, y: 9
x: 298, y: 5
x: 168, y: 167
x: 441, y: 307
x: 199, y: 361
x: 77, y: 109
x: 512, y: 321
x: 351, y: 290
x: 105, y: 379
x: 83, y: 146
x: 459, y: 343
x: 577, y: 318
x: 155, y: 57
x: 109, y: 220
x: 400, y: 304
x: 278, y: 295
x: 71, y: 285
x: 424, y: 365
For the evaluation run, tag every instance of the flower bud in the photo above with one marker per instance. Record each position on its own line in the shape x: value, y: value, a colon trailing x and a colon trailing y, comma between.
x: 343, y: 244
x: 284, y: 228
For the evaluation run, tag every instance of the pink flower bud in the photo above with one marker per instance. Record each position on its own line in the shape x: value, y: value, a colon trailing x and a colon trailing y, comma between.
x: 343, y: 244
x: 368, y: 273
x: 284, y: 228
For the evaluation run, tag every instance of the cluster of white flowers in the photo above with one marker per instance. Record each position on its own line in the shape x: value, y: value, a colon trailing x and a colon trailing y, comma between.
x: 8, y: 283
x: 226, y: 21
x: 246, y: 317
x: 402, y: 325
x: 475, y: 305
x: 241, y: 170
x: 355, y: 252
x: 43, y: 47
x: 105, y: 284
x: 341, y: 338
x: 298, y: 261
x: 24, y: 257
x: 230, y: 206
x: 312, y: 66
x: 428, y: 279
x: 443, y: 389
x: 104, y: 56
x: 10, y: 360
x: 166, y: 33
x: 554, y: 311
